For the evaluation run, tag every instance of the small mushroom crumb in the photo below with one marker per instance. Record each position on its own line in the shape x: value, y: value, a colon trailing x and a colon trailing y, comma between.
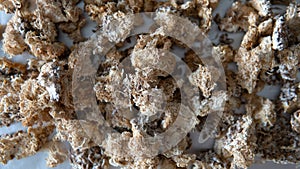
x: 279, y: 37
x: 265, y: 113
x: 57, y: 153
x: 295, y: 121
x: 89, y: 158
x: 203, y: 79
x: 263, y: 7
x: 239, y: 17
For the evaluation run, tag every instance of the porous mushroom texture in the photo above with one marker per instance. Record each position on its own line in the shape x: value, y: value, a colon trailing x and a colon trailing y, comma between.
x: 113, y: 99
x: 33, y: 27
x: 89, y: 158
x: 248, y: 69
x: 289, y: 62
x: 58, y: 153
x: 49, y: 77
x: 146, y: 163
x: 203, y: 79
x: 288, y: 95
x: 210, y: 160
x: 184, y: 160
x: 295, y: 121
x: 157, y: 63
x: 10, y: 6
x: 205, y: 13
x: 238, y: 142
x: 9, y: 105
x: 9, y: 91
x: 239, y: 17
x: 73, y: 132
x: 279, y: 37
x: 263, y: 7
x: 23, y: 144
x: 292, y: 19
x: 117, y: 27
x: 33, y: 31
x: 34, y: 103
x: 60, y: 11
x: 264, y: 112
x: 225, y: 53
x: 13, y: 40
x: 179, y: 149
x: 265, y: 27
x: 280, y: 143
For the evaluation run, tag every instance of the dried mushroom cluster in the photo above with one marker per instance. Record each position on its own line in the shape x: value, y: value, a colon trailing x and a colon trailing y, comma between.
x: 39, y: 93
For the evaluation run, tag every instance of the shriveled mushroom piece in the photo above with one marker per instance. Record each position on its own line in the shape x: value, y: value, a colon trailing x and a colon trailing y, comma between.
x: 23, y: 144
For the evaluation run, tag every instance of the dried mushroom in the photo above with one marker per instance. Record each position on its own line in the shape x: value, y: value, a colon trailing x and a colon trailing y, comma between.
x: 23, y: 144
x: 146, y: 96
x: 58, y: 153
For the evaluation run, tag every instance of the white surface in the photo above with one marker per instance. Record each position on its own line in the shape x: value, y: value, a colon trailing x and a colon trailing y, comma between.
x: 38, y: 161
x: 270, y: 92
x: 12, y: 129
